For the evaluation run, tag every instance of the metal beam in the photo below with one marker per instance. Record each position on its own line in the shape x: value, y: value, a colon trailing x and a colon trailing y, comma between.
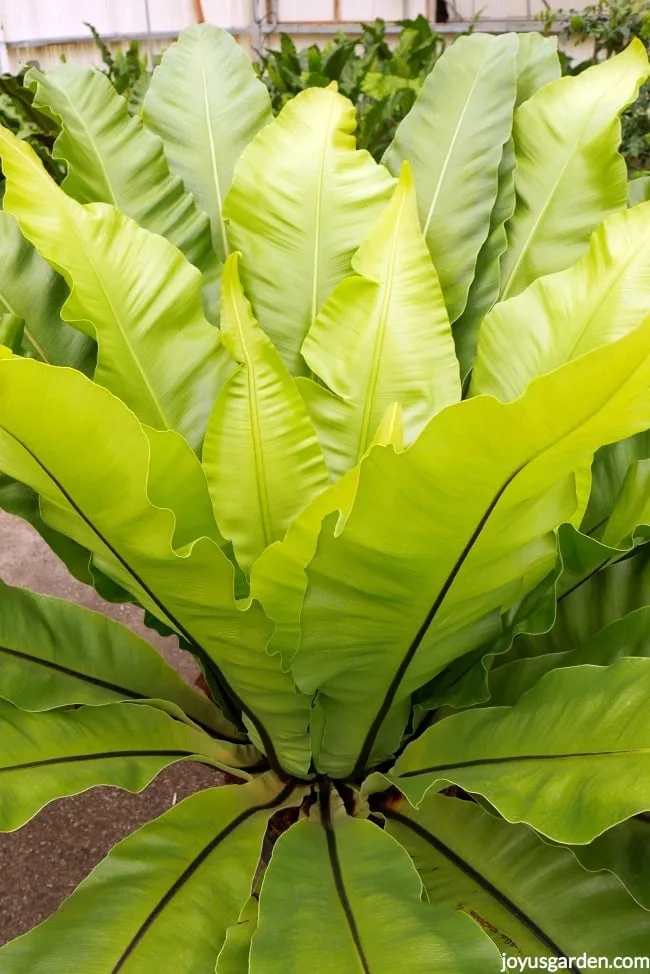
x: 5, y: 65
x: 354, y: 29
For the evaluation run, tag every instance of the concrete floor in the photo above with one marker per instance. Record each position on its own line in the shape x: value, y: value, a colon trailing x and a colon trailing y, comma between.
x: 41, y: 863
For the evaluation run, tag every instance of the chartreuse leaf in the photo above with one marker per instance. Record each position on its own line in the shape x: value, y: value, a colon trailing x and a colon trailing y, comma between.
x: 625, y: 852
x: 54, y: 653
x: 32, y: 291
x: 638, y: 190
x: 302, y: 200
x: 365, y: 912
x: 629, y: 636
x: 261, y: 455
x: 570, y: 758
x: 206, y: 104
x: 410, y: 615
x: 278, y: 577
x: 130, y: 289
x: 111, y: 158
x: 235, y: 952
x: 515, y: 885
x: 88, y: 456
x: 537, y: 64
x: 382, y: 337
x: 167, y: 893
x: 62, y: 752
x: 176, y: 480
x: 561, y: 316
x: 569, y: 174
x: 454, y: 137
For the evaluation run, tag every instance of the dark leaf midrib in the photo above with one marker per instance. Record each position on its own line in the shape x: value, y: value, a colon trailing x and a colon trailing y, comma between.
x: 337, y: 874
x: 229, y: 694
x: 481, y: 880
x: 514, y: 758
x: 106, y: 685
x: 98, y: 756
x: 189, y: 871
x: 394, y: 685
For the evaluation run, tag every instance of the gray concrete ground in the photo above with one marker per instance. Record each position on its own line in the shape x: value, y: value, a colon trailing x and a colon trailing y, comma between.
x: 41, y: 863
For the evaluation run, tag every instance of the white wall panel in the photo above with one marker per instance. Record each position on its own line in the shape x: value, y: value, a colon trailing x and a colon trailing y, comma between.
x: 297, y: 11
x: 388, y: 9
x: 33, y: 22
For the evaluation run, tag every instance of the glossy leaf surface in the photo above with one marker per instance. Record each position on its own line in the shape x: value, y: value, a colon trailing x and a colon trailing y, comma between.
x: 131, y: 290
x: 411, y: 615
x: 570, y: 175
x: 261, y: 454
x: 516, y: 885
x: 383, y: 337
x: 570, y: 758
x: 302, y: 201
x: 454, y: 137
x: 206, y: 104
x: 364, y: 914
x: 170, y: 890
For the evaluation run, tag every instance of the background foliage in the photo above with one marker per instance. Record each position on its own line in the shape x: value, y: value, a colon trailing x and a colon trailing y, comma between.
x: 382, y: 79
x: 608, y: 29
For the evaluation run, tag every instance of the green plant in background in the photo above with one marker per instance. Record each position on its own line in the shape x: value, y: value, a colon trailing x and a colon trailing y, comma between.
x: 126, y: 70
x: 18, y: 113
x: 381, y: 79
x: 366, y: 564
x: 608, y: 28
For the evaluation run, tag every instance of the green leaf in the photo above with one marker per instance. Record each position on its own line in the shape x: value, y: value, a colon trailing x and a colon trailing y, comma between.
x: 570, y: 175
x: 131, y: 290
x: 638, y: 190
x: 12, y: 329
x: 592, y: 600
x: 537, y: 64
x: 625, y: 852
x: 167, y: 893
x: 47, y: 755
x: 32, y: 291
x: 88, y: 456
x: 176, y: 480
x: 570, y: 758
x: 632, y: 507
x: 55, y: 653
x: 382, y: 337
x: 561, y: 316
x: 235, y: 952
x: 206, y: 104
x: 261, y: 455
x: 408, y: 616
x: 321, y: 197
x: 609, y: 470
x: 111, y: 158
x: 629, y: 636
x: 516, y: 886
x: 278, y: 578
x: 364, y: 913
x: 454, y: 137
